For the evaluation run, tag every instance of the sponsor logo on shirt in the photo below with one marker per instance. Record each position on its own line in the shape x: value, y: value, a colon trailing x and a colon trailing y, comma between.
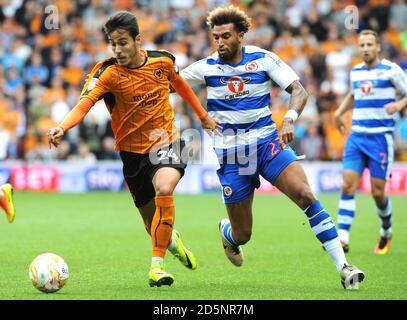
x: 236, y: 85
x: 92, y: 83
x: 147, y: 100
x: 366, y: 87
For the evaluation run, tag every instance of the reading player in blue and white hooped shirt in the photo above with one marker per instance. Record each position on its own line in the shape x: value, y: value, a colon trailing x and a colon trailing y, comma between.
x: 375, y: 83
x: 238, y: 80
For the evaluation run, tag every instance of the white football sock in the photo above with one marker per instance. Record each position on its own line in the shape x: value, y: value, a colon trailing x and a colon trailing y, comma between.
x: 334, y: 249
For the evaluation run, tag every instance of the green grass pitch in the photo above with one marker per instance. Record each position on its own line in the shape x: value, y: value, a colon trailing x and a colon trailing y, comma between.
x: 101, y: 237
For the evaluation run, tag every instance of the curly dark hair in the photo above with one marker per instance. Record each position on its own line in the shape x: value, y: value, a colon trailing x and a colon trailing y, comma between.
x: 229, y: 14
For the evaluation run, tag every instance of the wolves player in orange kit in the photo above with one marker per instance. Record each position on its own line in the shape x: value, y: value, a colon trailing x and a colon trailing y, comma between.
x: 6, y: 201
x: 135, y: 85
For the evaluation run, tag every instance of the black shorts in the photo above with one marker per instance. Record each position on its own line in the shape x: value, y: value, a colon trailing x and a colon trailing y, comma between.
x: 139, y: 169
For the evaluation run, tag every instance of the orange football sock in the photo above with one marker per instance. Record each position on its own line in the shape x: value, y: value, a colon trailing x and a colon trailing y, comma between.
x: 161, y: 227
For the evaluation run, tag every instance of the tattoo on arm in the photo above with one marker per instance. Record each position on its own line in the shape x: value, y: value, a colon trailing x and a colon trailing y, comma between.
x: 298, y: 96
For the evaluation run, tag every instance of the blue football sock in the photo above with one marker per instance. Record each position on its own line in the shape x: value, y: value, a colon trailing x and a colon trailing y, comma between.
x: 346, y: 215
x: 324, y: 229
x: 227, y: 232
x: 385, y: 214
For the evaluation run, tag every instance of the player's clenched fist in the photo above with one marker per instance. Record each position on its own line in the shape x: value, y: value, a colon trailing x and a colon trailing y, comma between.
x: 210, y: 124
x: 55, y: 136
x: 287, y: 131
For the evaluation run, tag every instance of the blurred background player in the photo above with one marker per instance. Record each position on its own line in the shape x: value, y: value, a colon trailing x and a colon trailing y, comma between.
x: 6, y: 201
x: 370, y: 144
x: 238, y: 80
x: 135, y: 87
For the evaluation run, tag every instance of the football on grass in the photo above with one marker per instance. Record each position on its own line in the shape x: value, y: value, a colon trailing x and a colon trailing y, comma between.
x: 48, y: 272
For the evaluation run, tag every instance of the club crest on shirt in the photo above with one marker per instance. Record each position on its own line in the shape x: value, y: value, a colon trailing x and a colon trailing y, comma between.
x: 236, y: 85
x: 251, y: 66
x: 158, y: 73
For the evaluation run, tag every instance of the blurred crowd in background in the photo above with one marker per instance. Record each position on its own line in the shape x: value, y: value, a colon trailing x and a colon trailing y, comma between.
x: 42, y: 69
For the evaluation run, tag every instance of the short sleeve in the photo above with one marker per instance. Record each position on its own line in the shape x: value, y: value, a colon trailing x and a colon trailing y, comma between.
x: 279, y: 71
x: 193, y: 74
x: 399, y: 79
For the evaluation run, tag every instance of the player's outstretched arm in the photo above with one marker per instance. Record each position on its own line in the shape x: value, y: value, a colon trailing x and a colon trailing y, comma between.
x: 185, y: 91
x: 347, y: 104
x: 209, y: 124
x: 73, y: 118
x: 298, y: 100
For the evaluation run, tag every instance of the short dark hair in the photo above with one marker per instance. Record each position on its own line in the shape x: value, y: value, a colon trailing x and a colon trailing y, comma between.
x: 229, y: 14
x: 370, y: 32
x: 122, y: 20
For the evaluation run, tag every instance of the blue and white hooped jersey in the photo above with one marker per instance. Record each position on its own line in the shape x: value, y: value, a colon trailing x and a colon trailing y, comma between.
x: 238, y: 96
x: 372, y: 89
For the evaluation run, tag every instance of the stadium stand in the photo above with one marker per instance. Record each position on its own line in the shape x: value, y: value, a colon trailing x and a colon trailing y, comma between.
x: 42, y: 69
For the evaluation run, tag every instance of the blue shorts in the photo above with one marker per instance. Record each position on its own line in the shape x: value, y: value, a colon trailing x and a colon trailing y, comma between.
x: 239, y: 172
x: 373, y: 151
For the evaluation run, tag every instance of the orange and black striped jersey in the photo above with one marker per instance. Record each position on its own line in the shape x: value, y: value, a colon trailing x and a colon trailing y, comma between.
x: 137, y: 100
